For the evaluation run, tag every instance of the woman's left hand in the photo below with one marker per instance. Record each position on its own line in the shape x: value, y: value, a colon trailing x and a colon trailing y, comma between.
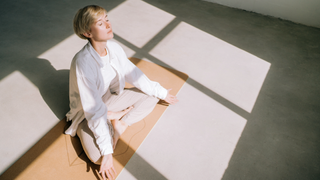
x: 171, y: 99
x: 106, y: 168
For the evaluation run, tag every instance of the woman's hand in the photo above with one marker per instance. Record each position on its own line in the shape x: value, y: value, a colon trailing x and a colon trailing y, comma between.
x: 106, y: 168
x: 171, y: 99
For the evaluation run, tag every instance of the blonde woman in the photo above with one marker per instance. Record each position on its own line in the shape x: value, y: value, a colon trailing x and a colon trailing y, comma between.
x: 100, y: 108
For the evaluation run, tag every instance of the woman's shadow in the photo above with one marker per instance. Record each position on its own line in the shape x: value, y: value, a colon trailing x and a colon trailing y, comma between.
x: 53, y: 86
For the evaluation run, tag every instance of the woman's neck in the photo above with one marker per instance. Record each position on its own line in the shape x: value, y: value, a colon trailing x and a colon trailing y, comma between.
x: 100, y: 47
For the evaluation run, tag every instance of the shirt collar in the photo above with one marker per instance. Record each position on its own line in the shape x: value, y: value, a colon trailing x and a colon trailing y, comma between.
x: 96, y: 56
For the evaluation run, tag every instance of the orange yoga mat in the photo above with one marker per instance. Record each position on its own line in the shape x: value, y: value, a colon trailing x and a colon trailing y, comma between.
x: 59, y: 156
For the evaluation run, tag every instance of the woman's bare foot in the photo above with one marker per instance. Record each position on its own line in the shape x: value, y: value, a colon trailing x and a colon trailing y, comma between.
x: 119, y: 127
x: 118, y: 115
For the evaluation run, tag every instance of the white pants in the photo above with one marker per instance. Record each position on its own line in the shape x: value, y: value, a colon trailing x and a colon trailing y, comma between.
x: 142, y: 105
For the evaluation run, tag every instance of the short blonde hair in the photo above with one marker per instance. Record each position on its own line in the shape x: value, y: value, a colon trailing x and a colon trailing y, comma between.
x: 85, y: 17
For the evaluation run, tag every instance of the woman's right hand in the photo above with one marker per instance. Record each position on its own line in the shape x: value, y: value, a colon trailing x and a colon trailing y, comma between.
x: 171, y: 99
x: 106, y: 168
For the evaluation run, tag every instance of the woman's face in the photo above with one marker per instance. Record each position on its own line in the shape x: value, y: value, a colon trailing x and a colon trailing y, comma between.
x: 101, y: 29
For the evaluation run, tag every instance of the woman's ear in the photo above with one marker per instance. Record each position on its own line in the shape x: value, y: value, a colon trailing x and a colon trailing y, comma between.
x: 86, y: 34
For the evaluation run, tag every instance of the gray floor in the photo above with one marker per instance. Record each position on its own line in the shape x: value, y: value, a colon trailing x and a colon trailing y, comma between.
x: 250, y: 109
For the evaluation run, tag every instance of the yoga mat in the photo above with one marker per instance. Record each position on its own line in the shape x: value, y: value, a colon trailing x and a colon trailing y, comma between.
x: 60, y: 156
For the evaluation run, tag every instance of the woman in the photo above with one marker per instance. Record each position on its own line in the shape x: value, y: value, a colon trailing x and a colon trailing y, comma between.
x: 100, y: 108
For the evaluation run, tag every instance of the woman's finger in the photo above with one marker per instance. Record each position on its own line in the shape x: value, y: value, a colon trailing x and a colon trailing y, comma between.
x: 103, y: 175
x: 109, y: 174
x: 114, y: 170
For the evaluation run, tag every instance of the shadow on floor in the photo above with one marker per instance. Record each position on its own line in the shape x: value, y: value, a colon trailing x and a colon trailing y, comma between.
x: 52, y: 84
x: 281, y: 138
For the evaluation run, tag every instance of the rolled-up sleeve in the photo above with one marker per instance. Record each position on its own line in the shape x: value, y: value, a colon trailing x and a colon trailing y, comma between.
x: 95, y: 110
x: 137, y: 78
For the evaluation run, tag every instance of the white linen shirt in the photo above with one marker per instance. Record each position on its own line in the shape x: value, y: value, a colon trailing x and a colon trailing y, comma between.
x: 87, y: 88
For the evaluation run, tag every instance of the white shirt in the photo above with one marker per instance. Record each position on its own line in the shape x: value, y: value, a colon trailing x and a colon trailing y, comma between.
x: 90, y: 80
x: 109, y: 73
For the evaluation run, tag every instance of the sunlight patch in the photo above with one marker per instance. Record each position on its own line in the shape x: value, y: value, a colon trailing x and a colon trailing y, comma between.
x: 138, y: 22
x: 225, y: 69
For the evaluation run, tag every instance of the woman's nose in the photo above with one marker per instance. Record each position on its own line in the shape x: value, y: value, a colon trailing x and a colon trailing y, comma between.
x: 108, y: 25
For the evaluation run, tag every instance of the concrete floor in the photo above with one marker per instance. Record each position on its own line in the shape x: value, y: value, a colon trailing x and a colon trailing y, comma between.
x: 250, y: 109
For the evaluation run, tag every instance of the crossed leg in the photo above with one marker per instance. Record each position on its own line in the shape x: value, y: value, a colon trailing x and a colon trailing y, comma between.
x: 137, y: 106
x: 126, y: 109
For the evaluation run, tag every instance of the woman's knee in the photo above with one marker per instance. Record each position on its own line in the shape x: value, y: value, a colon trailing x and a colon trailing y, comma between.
x: 150, y: 103
x: 88, y: 143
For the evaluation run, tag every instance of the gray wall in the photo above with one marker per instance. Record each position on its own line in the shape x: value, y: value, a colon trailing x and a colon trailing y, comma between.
x: 305, y: 12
